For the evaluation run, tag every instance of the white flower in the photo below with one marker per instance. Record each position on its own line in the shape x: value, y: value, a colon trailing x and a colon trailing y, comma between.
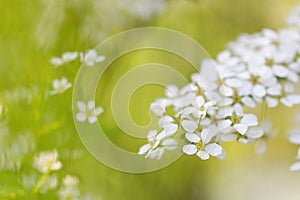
x: 69, y: 190
x: 88, y: 112
x: 47, y: 161
x: 66, y: 57
x: 241, y: 122
x: 60, y: 86
x: 91, y: 57
x: 201, y: 146
x: 157, y: 144
x: 269, y: 133
x: 69, y: 56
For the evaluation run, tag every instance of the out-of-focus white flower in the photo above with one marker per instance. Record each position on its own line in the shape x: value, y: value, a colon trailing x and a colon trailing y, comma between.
x: 269, y: 133
x: 49, y: 184
x: 88, y: 112
x: 69, y: 189
x: 143, y: 9
x: 47, y: 161
x: 66, y: 57
x: 60, y: 86
x: 294, y: 18
x: 91, y: 57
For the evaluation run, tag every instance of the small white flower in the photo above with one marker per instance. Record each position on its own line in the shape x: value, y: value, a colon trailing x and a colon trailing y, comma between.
x: 157, y: 144
x: 60, y: 86
x: 69, y: 189
x: 88, y: 112
x: 91, y: 57
x: 66, y: 57
x: 47, y: 161
x: 201, y: 145
x: 56, y: 61
x: 69, y: 56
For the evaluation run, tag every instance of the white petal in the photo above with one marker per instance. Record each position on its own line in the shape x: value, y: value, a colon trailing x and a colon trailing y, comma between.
x: 295, y: 166
x: 170, y: 128
x: 171, y: 91
x: 248, y: 101
x: 189, y: 149
x: 249, y: 119
x: 227, y: 137
x: 226, y: 91
x: 157, y: 108
x: 280, y: 71
x: 91, y: 104
x: 81, y: 117
x: 170, y: 144
x: 241, y: 128
x: 233, y: 82
x: 143, y: 149
x: 275, y: 90
x: 203, y: 155
x: 286, y: 102
x: 165, y: 120
x: 271, y: 102
x: 98, y: 111
x: 206, y: 135
x: 213, y: 149
x: 161, y: 135
x: 192, y: 137
x: 259, y: 91
x: 255, y: 132
x: 57, y: 61
x: 100, y: 59
x: 189, y: 125
x: 261, y: 147
x: 92, y: 119
x: 151, y: 135
x: 81, y: 106
x: 294, y: 98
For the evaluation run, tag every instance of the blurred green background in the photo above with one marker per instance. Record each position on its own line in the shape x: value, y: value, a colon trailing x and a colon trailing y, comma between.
x: 31, y: 32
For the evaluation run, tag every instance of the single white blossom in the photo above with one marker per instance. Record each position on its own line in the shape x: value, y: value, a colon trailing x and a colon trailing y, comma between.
x: 60, y: 86
x: 88, y: 112
x: 47, y: 161
x: 91, y: 58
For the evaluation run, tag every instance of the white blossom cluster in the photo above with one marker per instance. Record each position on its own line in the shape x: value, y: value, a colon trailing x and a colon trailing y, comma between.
x: 261, y: 68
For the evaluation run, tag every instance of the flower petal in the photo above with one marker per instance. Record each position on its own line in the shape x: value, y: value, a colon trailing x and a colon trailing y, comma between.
x: 203, y: 155
x: 189, y: 149
x: 192, y: 137
x: 213, y: 149
x: 241, y: 128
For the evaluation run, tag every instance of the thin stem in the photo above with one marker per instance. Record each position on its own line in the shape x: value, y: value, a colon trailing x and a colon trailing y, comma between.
x: 41, y: 182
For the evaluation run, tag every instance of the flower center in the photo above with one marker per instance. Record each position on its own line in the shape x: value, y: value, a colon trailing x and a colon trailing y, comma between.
x: 199, y: 145
x: 200, y: 92
x: 269, y: 62
x: 235, y: 118
x: 254, y: 79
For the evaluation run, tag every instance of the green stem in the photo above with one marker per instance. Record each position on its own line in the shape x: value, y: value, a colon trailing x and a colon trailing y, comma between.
x: 41, y: 182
